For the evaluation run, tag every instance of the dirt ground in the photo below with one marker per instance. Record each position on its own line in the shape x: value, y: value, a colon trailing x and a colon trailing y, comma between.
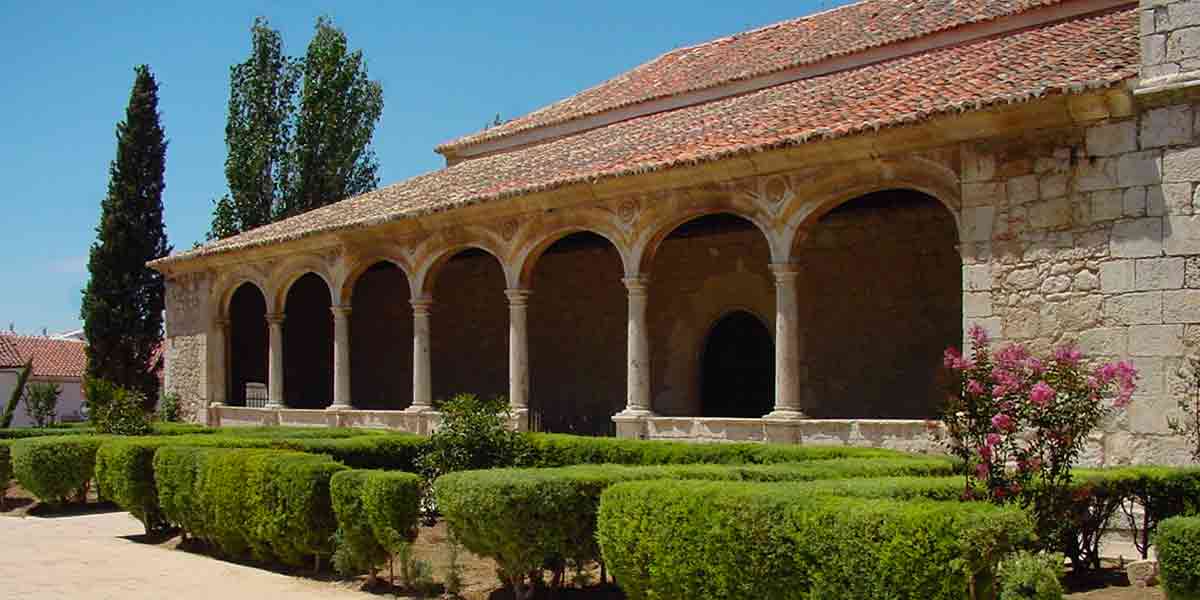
x: 99, y: 553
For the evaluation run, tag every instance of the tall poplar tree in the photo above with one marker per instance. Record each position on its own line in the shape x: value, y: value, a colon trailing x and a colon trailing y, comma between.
x: 339, y: 107
x: 258, y: 134
x: 123, y: 302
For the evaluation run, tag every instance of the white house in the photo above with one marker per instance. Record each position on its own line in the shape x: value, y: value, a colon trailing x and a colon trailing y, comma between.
x: 59, y: 361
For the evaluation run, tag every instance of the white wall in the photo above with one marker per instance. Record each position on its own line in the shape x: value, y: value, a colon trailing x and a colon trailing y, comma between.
x: 70, y: 401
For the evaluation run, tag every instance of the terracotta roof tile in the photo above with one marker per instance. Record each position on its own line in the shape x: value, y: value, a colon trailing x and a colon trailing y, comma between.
x: 773, y: 48
x: 51, y: 357
x: 1059, y: 58
x: 9, y: 357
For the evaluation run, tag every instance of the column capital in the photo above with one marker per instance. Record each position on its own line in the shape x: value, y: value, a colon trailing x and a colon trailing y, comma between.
x: 275, y: 318
x: 637, y: 284
x: 518, y: 296
x: 421, y: 304
x: 785, y: 271
x: 340, y: 310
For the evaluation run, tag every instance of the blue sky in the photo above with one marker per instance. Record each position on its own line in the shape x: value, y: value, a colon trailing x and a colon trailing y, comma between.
x: 447, y: 68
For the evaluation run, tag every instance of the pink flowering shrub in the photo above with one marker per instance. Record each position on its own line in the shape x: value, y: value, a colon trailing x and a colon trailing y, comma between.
x: 1019, y: 422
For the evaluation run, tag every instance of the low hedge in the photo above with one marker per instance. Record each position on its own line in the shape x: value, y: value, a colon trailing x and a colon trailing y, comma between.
x: 376, y: 512
x: 561, y: 450
x: 1178, y: 545
x: 5, y: 468
x: 524, y: 518
x: 56, y: 469
x: 125, y: 475
x: 689, y: 539
x: 269, y: 504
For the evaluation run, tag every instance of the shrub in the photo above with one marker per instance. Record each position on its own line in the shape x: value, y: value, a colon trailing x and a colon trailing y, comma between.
x: 41, y: 403
x: 270, y: 504
x: 168, y: 407
x: 560, y: 450
x: 56, y: 430
x: 1026, y: 576
x: 474, y: 434
x: 15, y: 396
x: 529, y: 518
x: 125, y: 475
x: 1020, y: 422
x: 56, y: 469
x: 114, y: 409
x: 5, y: 468
x: 1178, y: 545
x: 377, y: 513
x: 688, y: 539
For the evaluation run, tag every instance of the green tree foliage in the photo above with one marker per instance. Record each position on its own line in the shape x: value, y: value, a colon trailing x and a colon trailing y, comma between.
x: 258, y: 134
x: 339, y: 107
x: 15, y: 398
x: 41, y: 403
x: 123, y: 302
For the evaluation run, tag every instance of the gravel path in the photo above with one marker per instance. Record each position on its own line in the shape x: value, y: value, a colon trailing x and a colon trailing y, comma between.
x: 88, y: 557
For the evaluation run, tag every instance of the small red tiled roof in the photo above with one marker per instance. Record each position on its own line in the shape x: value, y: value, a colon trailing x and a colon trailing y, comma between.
x: 9, y: 357
x: 1059, y: 58
x: 802, y: 41
x: 53, y: 358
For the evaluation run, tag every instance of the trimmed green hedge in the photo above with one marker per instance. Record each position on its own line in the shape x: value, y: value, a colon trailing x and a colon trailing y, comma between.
x: 56, y: 469
x: 562, y: 450
x: 689, y: 539
x: 5, y: 467
x: 1178, y: 545
x: 376, y: 511
x: 524, y: 518
x: 125, y: 475
x: 269, y: 504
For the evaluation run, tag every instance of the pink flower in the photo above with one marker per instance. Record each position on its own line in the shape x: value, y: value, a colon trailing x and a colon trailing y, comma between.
x: 985, y: 453
x: 993, y: 440
x: 979, y: 336
x: 1035, y: 366
x: 1012, y: 357
x: 1041, y: 394
x: 1068, y: 354
x: 975, y: 388
x: 981, y: 470
x: 1002, y: 422
x: 951, y: 358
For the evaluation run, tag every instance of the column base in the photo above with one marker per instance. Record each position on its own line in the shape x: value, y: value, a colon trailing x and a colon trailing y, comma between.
x: 274, y: 406
x: 785, y: 415
x: 631, y: 423
x: 336, y: 407
x: 519, y: 420
x: 419, y: 409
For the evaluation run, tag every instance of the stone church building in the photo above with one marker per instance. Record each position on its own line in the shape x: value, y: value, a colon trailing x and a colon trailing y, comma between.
x: 772, y: 235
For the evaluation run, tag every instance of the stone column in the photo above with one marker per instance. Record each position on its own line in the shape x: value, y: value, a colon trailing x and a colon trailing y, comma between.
x: 422, y: 372
x: 788, y: 351
x: 518, y: 356
x: 341, y: 358
x: 219, y: 392
x: 275, y: 364
x: 637, y: 401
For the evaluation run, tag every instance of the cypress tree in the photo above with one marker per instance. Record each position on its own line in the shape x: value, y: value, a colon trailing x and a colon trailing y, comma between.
x: 123, y: 302
x: 258, y: 131
x: 339, y: 107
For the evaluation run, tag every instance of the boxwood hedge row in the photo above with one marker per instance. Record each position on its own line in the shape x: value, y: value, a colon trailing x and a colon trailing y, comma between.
x: 56, y: 469
x: 376, y: 511
x: 524, y: 518
x: 1178, y: 545
x: 692, y: 539
x: 5, y: 468
x: 268, y: 504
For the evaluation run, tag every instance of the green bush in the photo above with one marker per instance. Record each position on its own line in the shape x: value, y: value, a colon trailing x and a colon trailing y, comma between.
x: 5, y: 468
x: 377, y: 512
x: 56, y: 469
x: 114, y: 409
x: 561, y: 450
x: 268, y: 504
x: 688, y: 539
x: 1178, y: 545
x: 125, y: 475
x: 1027, y: 576
x: 527, y: 518
x: 474, y: 434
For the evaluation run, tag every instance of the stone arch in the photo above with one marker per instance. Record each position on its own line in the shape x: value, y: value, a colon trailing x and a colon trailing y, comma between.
x: 646, y: 248
x: 526, y: 261
x: 362, y: 265
x: 248, y: 341
x: 737, y: 366
x: 307, y: 341
x: 235, y: 283
x: 285, y: 276
x: 381, y: 334
x: 469, y: 322
x: 425, y: 277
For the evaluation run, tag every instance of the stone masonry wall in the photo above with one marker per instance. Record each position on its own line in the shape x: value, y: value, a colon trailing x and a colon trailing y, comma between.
x: 1092, y: 236
x: 185, y: 349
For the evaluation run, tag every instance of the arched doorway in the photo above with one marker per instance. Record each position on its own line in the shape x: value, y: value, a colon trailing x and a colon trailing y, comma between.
x: 469, y: 323
x: 381, y: 339
x: 247, y: 343
x: 308, y: 344
x: 738, y: 368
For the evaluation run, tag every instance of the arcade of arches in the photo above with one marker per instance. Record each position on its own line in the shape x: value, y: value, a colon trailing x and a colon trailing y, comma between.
x: 878, y: 295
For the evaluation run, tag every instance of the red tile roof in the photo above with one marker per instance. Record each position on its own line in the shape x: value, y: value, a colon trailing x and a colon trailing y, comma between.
x: 1059, y: 58
x: 52, y: 358
x: 770, y: 49
x: 9, y: 357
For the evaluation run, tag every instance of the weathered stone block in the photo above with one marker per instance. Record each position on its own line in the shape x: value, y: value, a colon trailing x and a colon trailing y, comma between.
x: 977, y: 166
x: 1086, y: 281
x: 1154, y: 49
x: 1094, y: 174
x: 1134, y: 309
x: 1108, y: 205
x: 1142, y: 573
x: 1166, y: 126
x: 1158, y: 273
x: 1183, y: 43
x: 977, y: 304
x: 977, y: 277
x: 1056, y: 284
x: 1181, y: 165
x: 978, y: 223
x: 1191, y: 277
x: 1182, y: 235
x: 1155, y: 203
x: 1056, y: 213
x: 1053, y: 185
x: 1137, y: 238
x: 1105, y: 341
x: 1156, y: 340
x: 1177, y: 198
x: 1181, y: 306
x: 1116, y: 276
x: 1183, y: 14
x: 1134, y: 202
x: 1023, y: 189
x: 1023, y: 279
x: 983, y: 194
x: 1139, y: 168
x: 1112, y: 139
